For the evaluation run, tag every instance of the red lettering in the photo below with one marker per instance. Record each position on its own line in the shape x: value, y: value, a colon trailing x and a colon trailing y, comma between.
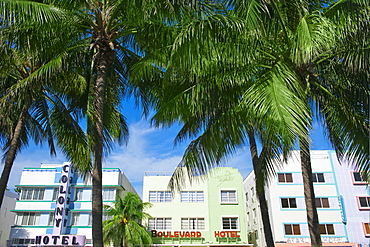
x: 177, y: 234
x: 232, y: 234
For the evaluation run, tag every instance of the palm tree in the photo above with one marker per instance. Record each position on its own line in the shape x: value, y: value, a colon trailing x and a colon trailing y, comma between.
x: 288, y: 44
x: 311, y: 40
x: 111, y: 31
x: 305, y: 39
x: 124, y: 228
x: 222, y: 108
x: 28, y: 107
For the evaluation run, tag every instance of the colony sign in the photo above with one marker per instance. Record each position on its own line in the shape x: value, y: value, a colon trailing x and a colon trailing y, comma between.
x: 61, y: 215
x: 62, y: 208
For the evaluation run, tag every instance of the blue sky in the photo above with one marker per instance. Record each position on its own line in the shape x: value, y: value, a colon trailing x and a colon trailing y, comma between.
x: 149, y: 149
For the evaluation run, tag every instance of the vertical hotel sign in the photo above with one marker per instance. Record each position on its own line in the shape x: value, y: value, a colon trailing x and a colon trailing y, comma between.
x: 63, y: 200
x: 59, y: 236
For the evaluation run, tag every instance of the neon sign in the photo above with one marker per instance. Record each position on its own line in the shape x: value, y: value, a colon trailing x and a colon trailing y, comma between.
x: 61, y: 215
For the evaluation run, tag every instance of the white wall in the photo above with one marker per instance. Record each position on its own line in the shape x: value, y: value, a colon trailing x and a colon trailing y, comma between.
x: 6, y: 217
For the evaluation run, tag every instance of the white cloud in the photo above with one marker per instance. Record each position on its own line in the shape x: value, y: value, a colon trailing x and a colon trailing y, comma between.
x: 149, y: 149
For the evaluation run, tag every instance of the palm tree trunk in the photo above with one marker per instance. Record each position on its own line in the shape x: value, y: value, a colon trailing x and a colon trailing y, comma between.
x: 98, y: 105
x: 309, y: 193
x: 11, y: 154
x: 260, y: 190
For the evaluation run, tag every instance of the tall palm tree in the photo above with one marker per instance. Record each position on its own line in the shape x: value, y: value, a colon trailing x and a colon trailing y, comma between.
x: 310, y: 40
x: 305, y: 36
x: 222, y: 108
x: 28, y: 105
x: 111, y: 31
x: 288, y: 44
x: 125, y: 228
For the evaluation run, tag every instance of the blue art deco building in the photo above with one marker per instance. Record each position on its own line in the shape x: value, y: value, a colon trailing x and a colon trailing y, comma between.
x: 54, y: 208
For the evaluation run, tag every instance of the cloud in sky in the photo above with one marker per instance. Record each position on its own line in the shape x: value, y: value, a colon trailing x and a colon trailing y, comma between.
x: 149, y: 149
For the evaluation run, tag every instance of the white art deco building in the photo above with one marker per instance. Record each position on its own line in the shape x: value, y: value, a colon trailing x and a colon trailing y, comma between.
x: 54, y: 208
x: 342, y: 198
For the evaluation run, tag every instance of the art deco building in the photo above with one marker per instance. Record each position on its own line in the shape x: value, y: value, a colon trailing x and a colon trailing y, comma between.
x: 54, y: 208
x: 342, y: 199
x: 209, y: 211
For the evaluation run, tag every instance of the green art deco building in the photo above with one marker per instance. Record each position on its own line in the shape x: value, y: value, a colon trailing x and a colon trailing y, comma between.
x: 207, y: 211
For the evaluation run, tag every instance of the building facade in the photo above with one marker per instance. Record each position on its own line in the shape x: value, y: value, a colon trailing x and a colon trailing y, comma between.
x: 209, y: 211
x: 342, y: 199
x: 54, y: 207
x: 6, y: 217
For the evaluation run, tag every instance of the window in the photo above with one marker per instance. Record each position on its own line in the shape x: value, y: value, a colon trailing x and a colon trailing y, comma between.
x: 322, y: 202
x: 230, y: 223
x: 192, y: 196
x: 256, y: 234
x: 89, y: 222
x: 252, y: 191
x: 160, y: 196
x: 250, y: 239
x: 192, y: 223
x: 55, y: 194
x: 75, y: 218
x: 27, y: 219
x: 326, y: 229
x: 79, y: 193
x: 285, y: 178
x: 288, y: 203
x: 228, y: 196
x: 292, y: 229
x: 364, y: 202
x: 366, y: 227
x: 108, y: 194
x: 51, y: 218
x: 32, y: 194
x: 358, y: 178
x: 246, y: 196
x: 104, y: 218
x: 318, y: 177
x: 160, y: 223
